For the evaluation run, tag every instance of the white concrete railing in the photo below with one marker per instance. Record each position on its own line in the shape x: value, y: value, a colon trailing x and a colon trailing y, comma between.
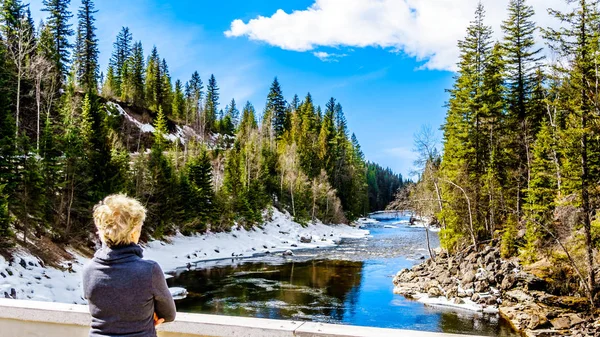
x: 45, y: 319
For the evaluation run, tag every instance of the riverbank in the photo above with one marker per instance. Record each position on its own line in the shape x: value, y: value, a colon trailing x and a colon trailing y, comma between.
x: 483, y: 281
x: 24, y: 276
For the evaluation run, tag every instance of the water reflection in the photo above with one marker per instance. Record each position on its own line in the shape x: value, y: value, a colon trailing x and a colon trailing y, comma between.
x: 318, y: 288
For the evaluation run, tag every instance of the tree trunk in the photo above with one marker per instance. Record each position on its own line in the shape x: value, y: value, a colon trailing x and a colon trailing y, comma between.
x: 18, y: 102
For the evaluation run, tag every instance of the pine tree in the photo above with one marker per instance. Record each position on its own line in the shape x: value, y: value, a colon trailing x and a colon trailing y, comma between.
x: 465, y: 139
x: 522, y: 60
x: 5, y: 219
x: 233, y: 113
x: 211, y: 105
x: 86, y: 53
x: 577, y: 41
x: 136, y: 72
x: 166, y: 88
x: 275, y: 109
x: 13, y: 12
x: 60, y: 29
x: 154, y: 83
x: 201, y: 201
x: 122, y: 51
x: 178, y: 105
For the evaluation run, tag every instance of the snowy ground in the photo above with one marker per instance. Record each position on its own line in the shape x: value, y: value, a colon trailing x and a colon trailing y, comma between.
x: 25, y: 277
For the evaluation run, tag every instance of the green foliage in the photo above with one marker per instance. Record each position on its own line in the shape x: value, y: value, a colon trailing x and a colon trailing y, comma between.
x: 86, y: 47
x: 60, y: 30
x: 509, y: 245
x: 5, y: 219
x: 383, y: 185
x: 211, y: 105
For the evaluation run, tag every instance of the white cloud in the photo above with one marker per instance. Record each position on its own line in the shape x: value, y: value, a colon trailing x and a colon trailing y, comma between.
x: 427, y: 30
x: 328, y: 57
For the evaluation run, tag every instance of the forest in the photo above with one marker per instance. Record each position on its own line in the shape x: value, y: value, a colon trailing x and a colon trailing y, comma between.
x: 67, y: 140
x: 521, y: 145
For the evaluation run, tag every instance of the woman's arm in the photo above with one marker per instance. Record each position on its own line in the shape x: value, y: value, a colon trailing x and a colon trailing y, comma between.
x: 164, y: 305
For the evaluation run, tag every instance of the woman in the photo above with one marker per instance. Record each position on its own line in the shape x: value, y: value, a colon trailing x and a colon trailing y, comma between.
x: 127, y: 296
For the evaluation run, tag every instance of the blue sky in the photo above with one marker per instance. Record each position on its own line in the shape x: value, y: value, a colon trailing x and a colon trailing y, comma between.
x: 388, y: 62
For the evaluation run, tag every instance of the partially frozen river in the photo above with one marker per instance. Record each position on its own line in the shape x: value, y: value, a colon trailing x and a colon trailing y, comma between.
x: 349, y: 284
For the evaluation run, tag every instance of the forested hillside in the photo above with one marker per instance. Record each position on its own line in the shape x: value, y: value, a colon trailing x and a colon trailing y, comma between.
x: 70, y: 135
x: 521, y: 144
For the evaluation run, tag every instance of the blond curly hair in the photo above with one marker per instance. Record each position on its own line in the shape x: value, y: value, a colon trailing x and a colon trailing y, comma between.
x: 117, y: 217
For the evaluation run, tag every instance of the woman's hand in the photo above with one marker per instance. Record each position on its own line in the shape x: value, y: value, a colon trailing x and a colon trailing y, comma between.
x: 158, y: 321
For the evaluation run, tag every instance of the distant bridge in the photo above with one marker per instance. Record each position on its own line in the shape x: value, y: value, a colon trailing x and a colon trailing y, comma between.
x: 386, y: 215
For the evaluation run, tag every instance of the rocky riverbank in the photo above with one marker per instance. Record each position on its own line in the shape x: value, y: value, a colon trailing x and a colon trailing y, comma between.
x: 483, y: 281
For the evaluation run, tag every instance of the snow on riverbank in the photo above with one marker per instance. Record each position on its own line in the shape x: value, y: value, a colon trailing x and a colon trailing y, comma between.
x: 464, y: 304
x: 276, y: 236
x: 25, y: 277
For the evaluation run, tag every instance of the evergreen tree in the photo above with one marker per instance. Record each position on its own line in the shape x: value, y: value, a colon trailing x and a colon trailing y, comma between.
x: 201, y: 200
x: 178, y: 105
x: 194, y: 97
x: 211, y: 105
x: 465, y: 139
x: 60, y: 29
x: 86, y: 53
x: 154, y: 84
x: 275, y: 109
x: 233, y: 113
x: 166, y: 88
x: 122, y: 51
x: 522, y: 59
x: 136, y: 73
x: 577, y: 41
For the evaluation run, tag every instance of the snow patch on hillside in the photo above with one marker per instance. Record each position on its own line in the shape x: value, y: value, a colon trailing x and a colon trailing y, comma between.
x: 26, y: 277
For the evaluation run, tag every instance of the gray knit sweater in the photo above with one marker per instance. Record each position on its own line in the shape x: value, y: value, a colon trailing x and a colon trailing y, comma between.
x: 124, y: 291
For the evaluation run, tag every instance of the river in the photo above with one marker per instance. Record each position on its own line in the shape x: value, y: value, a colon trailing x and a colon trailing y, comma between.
x: 350, y: 284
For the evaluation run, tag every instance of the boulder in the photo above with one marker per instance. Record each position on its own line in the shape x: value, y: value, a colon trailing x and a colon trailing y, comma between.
x: 288, y: 253
x: 481, y: 286
x: 508, y: 282
x: 306, y: 239
x: 434, y: 292
x: 468, y: 277
x: 561, y: 323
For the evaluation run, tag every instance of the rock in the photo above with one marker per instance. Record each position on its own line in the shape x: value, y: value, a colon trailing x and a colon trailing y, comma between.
x: 9, y: 272
x: 459, y: 301
x: 293, y: 245
x: 491, y: 300
x: 265, y: 247
x: 475, y: 297
x: 306, y: 239
x: 284, y: 233
x: 445, y: 278
x: 508, y: 282
x: 468, y: 277
x: 481, y: 286
x: 288, y: 253
x: 434, y: 292
x: 561, y: 323
x: 536, y: 321
x: 3, y: 275
x: 518, y: 296
x: 217, y: 251
x: 22, y: 263
x: 405, y: 276
x: 13, y: 293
